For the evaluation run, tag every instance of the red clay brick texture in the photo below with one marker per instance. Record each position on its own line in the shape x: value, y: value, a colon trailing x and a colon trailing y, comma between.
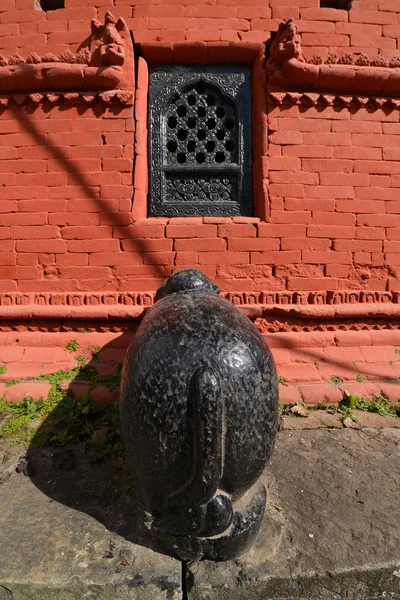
x: 73, y: 215
x: 312, y: 367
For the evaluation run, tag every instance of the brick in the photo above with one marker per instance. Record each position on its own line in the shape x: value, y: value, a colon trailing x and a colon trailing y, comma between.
x: 343, y: 245
x: 357, y: 153
x: 289, y: 177
x: 324, y: 14
x: 146, y: 245
x: 236, y: 230
x: 308, y: 151
x: 312, y: 284
x: 385, y: 353
x: 288, y: 256
x: 99, y: 232
x: 305, y: 244
x: 36, y: 390
x: 322, y: 231
x: 284, y: 231
x: 377, y: 371
x: 377, y: 167
x: 72, y: 260
x: 329, y: 218
x: 159, y: 258
x: 327, y: 166
x: 96, y: 245
x: 225, y: 258
x: 313, y: 204
x: 314, y: 394
x: 371, y: 17
x: 286, y: 137
x: 379, y: 220
x: 313, y: 257
x: 112, y: 259
x: 85, y: 272
x: 249, y: 244
x: 359, y: 206
x: 329, y: 191
x: 284, y: 163
x: 352, y: 338
x: 296, y: 373
x: 356, y: 179
x: 34, y: 232
x: 339, y: 271
x: 74, y: 219
x: 286, y: 216
x: 51, y: 246
x: 200, y: 244
x: 189, y: 231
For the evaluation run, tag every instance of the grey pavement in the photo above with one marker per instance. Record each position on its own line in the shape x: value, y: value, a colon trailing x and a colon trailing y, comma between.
x: 331, y: 532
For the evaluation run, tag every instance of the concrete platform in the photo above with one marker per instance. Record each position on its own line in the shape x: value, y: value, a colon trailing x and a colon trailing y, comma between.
x: 332, y: 527
x: 69, y: 530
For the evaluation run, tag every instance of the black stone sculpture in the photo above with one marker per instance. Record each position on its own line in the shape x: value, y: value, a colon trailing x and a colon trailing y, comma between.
x: 199, y: 411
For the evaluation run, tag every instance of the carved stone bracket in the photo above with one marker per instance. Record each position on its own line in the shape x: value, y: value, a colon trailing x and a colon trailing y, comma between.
x: 104, y: 61
x: 352, y: 74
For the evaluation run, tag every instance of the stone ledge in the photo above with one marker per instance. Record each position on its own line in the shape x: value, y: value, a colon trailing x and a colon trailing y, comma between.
x: 60, y: 533
x: 332, y: 524
x: 331, y: 529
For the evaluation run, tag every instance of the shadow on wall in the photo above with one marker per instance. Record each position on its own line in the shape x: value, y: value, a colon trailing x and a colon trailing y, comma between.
x: 72, y: 167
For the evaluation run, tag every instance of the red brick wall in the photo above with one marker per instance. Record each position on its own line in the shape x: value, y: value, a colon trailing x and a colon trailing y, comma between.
x: 331, y: 218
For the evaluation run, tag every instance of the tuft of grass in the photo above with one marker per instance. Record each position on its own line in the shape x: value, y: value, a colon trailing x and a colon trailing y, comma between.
x: 60, y: 418
x: 3, y: 369
x: 375, y: 404
x: 397, y: 350
x: 11, y: 382
x: 72, y: 346
x: 336, y: 380
x: 283, y: 380
x: 95, y: 352
x: 360, y: 378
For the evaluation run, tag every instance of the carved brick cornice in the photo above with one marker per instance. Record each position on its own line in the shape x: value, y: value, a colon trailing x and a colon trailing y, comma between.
x: 110, y: 97
x: 105, y: 61
x: 350, y: 75
x: 130, y: 305
x: 340, y: 101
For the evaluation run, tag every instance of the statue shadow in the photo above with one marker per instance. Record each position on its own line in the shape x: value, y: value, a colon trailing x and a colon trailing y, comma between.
x: 89, y: 473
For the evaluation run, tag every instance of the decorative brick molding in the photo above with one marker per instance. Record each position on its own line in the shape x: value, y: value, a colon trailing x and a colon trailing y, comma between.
x: 323, y: 100
x: 104, y: 61
x: 351, y: 74
x: 110, y: 97
x: 128, y: 305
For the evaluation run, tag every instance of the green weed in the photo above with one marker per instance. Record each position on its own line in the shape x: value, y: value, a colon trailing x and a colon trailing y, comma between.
x: 360, y: 378
x: 375, y: 404
x: 72, y: 346
x: 11, y: 382
x: 283, y: 380
x: 336, y: 380
x: 3, y: 369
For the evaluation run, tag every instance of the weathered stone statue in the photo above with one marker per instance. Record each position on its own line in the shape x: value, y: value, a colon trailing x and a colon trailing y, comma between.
x: 199, y: 410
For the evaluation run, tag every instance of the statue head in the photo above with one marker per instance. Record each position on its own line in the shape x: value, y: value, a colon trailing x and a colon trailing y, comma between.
x: 186, y: 280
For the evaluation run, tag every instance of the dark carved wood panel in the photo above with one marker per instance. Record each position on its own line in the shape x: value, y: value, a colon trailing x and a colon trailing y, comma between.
x: 200, y: 141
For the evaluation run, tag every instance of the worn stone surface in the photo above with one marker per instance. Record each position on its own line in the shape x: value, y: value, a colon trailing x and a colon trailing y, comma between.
x: 331, y: 529
x: 314, y: 420
x: 69, y: 532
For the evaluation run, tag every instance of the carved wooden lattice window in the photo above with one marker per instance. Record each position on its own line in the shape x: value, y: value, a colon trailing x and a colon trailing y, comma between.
x: 200, y: 141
